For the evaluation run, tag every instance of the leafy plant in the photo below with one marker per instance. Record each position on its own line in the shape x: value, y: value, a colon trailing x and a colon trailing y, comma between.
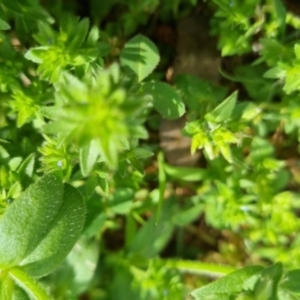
x: 90, y: 206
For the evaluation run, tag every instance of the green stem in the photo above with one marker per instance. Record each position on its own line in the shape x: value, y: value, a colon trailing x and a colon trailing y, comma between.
x: 28, y: 284
x: 162, y: 182
x: 6, y: 289
x: 200, y: 268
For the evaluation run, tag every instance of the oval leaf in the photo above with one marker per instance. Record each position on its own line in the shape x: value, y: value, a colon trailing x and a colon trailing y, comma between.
x: 165, y: 100
x: 61, y: 236
x: 140, y: 55
x: 26, y: 220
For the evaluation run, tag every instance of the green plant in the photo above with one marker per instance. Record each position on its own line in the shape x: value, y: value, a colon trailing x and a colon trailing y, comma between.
x: 90, y: 206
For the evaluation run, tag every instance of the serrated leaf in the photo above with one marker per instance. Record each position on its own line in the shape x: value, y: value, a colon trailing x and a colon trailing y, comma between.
x: 140, y: 55
x: 165, y: 100
x: 60, y: 237
x: 226, y: 286
x: 27, y: 220
x: 223, y: 111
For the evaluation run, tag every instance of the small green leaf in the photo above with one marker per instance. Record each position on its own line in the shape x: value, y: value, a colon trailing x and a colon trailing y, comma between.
x: 165, y: 100
x: 4, y: 25
x: 223, y: 111
x: 81, y: 32
x: 154, y: 235
x: 88, y: 156
x: 186, y: 174
x: 226, y: 286
x: 36, y: 54
x: 140, y: 55
x: 275, y: 72
x: 280, y: 14
x: 93, y: 36
x: 26, y: 168
x: 292, y: 80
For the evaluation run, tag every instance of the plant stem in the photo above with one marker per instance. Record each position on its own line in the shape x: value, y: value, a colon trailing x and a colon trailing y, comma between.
x: 28, y: 284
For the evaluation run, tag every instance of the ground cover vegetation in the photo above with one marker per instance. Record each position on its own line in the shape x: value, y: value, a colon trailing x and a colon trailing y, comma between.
x: 92, y: 206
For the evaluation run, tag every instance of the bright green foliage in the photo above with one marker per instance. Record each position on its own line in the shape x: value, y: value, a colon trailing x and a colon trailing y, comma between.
x: 211, y: 133
x: 71, y: 47
x: 237, y: 21
x: 81, y: 164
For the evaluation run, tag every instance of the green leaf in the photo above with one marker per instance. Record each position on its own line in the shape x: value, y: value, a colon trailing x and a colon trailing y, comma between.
x: 93, y: 36
x: 186, y: 217
x: 223, y: 111
x: 292, y: 80
x: 26, y: 168
x: 290, y: 281
x: 4, y: 25
x: 81, y: 33
x: 27, y: 219
x: 140, y: 55
x: 280, y: 14
x: 199, y: 268
x: 154, y: 235
x: 36, y: 54
x: 40, y: 228
x: 81, y: 261
x: 61, y: 236
x: 88, y: 156
x: 226, y: 286
x: 165, y: 100
x: 275, y: 72
x: 186, y: 174
x: 266, y: 286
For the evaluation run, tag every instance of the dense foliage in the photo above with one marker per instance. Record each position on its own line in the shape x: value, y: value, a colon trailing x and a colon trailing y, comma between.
x: 90, y: 207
